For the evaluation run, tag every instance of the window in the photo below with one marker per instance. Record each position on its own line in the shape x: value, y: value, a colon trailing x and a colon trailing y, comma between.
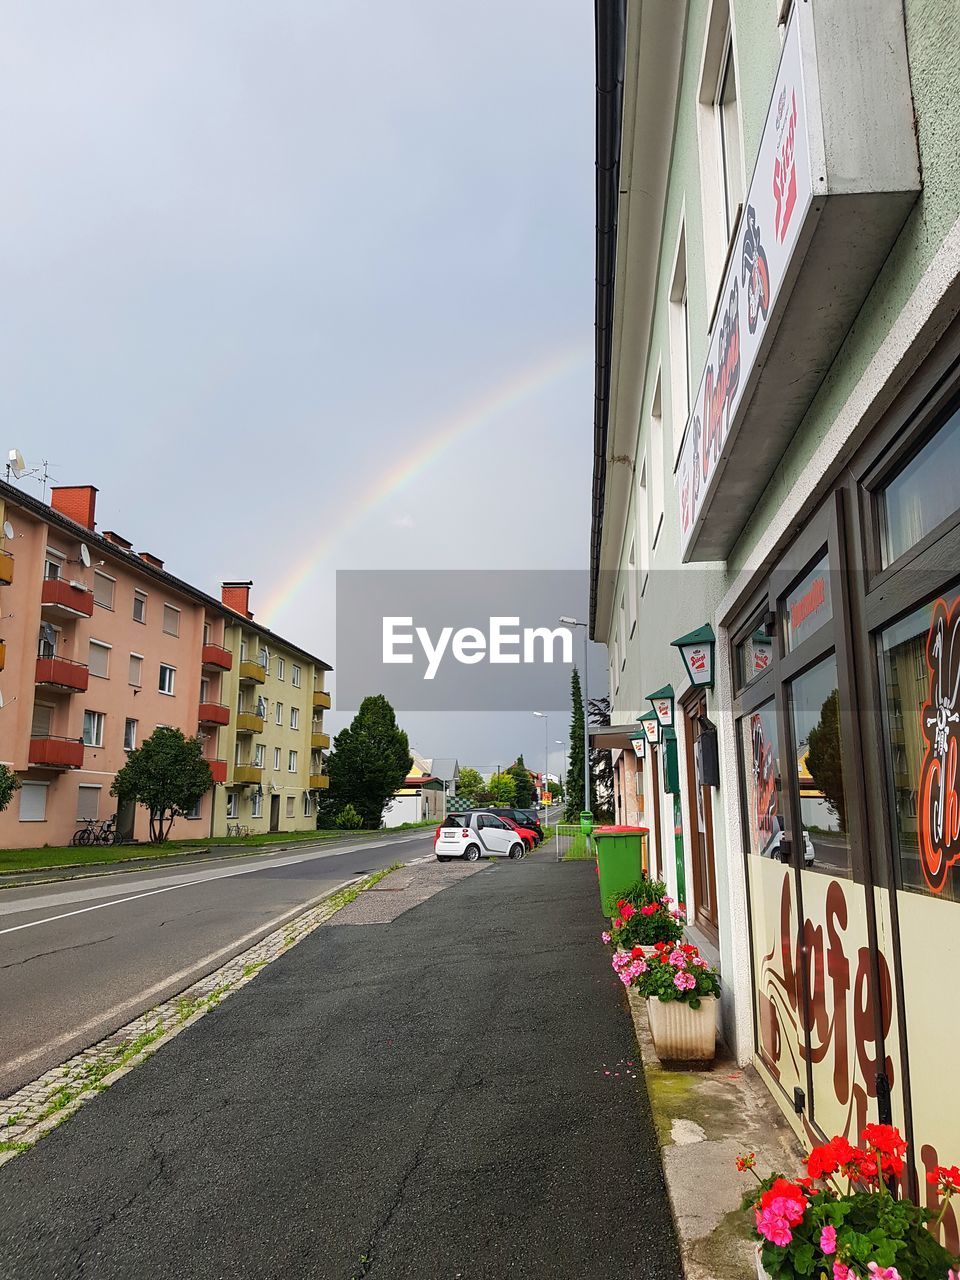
x: 167, y: 677
x: 277, y: 755
x: 679, y: 325
x: 656, y: 462
x: 130, y: 735
x: 754, y: 654
x: 256, y: 804
x: 295, y: 676
x: 728, y: 123
x: 279, y: 713
x: 922, y: 494
x: 98, y: 659
x: 88, y: 802
x: 281, y: 668
x: 139, y: 606
x: 259, y: 755
x: 308, y: 807
x: 93, y: 728
x: 622, y: 633
x: 194, y: 811
x: 135, y: 676
x: 52, y: 569
x: 294, y: 717
x: 232, y: 804
x: 103, y: 590
x: 632, y: 588
x: 206, y: 633
x: 171, y: 620
x: 33, y: 802
x: 808, y: 606
x: 291, y: 806
x: 643, y: 524
x: 292, y: 762
x: 47, y: 645
x: 818, y: 751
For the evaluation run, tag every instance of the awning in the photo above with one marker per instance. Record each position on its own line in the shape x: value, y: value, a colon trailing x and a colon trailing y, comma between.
x: 614, y: 737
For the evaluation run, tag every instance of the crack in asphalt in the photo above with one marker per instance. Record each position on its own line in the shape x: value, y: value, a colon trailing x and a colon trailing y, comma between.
x: 39, y: 955
x: 83, y: 1249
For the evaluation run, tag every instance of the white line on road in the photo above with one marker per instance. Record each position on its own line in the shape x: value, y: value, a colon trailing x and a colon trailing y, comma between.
x: 179, y: 979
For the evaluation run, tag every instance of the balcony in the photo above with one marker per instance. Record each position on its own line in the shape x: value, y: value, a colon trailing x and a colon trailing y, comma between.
x: 321, y: 700
x: 247, y: 773
x: 61, y: 599
x: 319, y: 782
x: 49, y: 752
x: 217, y: 657
x: 62, y: 673
x: 319, y: 741
x: 249, y: 722
x: 218, y: 771
x: 252, y: 672
x: 214, y: 713
x: 6, y: 568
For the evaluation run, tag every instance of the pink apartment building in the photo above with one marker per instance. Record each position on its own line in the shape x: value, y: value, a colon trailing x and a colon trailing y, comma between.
x: 102, y: 645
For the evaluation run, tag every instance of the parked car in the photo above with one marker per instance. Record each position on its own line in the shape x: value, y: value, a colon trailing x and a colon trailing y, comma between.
x: 772, y: 849
x: 477, y: 834
x: 523, y: 817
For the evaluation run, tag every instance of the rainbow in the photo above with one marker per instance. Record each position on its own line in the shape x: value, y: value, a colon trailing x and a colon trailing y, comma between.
x: 433, y: 442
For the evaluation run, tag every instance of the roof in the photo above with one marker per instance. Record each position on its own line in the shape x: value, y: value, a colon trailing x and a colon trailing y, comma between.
x: 445, y: 769
x: 43, y: 511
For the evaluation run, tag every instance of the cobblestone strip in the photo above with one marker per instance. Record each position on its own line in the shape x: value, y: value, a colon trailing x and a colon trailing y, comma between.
x: 31, y: 1112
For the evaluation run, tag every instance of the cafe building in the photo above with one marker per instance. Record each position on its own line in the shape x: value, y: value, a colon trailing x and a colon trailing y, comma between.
x: 775, y: 555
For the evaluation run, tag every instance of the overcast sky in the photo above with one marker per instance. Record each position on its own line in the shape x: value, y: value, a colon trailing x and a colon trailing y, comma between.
x: 259, y: 257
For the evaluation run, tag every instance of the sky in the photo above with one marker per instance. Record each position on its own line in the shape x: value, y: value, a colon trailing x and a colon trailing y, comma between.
x: 307, y: 285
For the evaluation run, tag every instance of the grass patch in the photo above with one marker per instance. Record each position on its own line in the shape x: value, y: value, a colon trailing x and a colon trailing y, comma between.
x: 6, y: 1147
x: 579, y: 851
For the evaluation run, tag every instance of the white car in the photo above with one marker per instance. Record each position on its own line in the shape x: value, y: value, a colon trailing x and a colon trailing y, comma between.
x: 476, y: 835
x: 773, y: 848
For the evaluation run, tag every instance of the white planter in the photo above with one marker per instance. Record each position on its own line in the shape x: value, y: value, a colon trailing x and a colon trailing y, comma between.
x: 762, y: 1274
x: 683, y: 1034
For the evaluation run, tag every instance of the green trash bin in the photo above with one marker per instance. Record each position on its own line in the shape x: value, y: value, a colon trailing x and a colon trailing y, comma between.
x: 620, y: 862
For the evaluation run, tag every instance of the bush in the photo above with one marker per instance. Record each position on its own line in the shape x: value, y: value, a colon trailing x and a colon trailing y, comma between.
x: 646, y: 925
x: 645, y: 891
x: 348, y: 819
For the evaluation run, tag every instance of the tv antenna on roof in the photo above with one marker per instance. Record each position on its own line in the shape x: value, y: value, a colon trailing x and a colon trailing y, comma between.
x: 15, y: 464
x: 17, y: 468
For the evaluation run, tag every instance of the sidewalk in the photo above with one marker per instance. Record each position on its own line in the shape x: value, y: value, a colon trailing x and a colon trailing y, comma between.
x: 425, y: 1098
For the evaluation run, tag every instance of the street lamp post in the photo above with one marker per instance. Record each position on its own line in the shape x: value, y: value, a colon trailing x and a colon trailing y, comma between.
x: 542, y: 715
x: 572, y: 622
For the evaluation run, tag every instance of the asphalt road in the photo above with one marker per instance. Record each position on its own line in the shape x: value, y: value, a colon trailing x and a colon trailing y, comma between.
x: 423, y: 1100
x: 80, y: 957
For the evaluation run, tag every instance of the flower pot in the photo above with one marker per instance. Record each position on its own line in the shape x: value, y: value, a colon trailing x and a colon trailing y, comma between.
x: 762, y: 1273
x: 682, y: 1033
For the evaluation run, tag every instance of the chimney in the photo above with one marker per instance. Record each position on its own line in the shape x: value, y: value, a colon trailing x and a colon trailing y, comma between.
x: 77, y: 502
x: 147, y: 558
x: 236, y: 596
x: 117, y: 540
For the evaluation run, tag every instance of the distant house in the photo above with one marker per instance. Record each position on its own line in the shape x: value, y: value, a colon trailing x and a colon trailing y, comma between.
x: 448, y: 771
x: 421, y: 796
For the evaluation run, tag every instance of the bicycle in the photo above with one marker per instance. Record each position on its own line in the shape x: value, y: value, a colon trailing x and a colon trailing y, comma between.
x: 85, y: 834
x: 92, y: 833
x: 237, y: 831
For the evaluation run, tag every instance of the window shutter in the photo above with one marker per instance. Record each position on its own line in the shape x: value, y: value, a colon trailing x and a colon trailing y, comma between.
x: 103, y: 590
x: 98, y: 659
x: 88, y: 802
x: 33, y: 802
x: 136, y: 669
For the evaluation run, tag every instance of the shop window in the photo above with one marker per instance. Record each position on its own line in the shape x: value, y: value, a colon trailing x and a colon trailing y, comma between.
x: 920, y: 659
x: 818, y: 752
x: 760, y: 768
x: 922, y: 494
x: 808, y: 606
x: 754, y: 655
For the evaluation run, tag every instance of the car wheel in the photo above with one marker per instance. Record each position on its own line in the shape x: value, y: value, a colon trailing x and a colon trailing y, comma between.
x: 443, y: 857
x: 516, y: 852
x: 472, y: 853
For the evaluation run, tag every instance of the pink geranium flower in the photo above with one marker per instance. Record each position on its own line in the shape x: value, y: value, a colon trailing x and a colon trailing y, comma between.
x: 883, y: 1273
x: 842, y: 1272
x: 828, y: 1240
x: 774, y: 1226
x: 677, y: 958
x: 684, y: 981
x: 605, y: 936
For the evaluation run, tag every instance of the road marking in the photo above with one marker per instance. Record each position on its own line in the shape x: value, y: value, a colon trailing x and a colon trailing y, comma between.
x: 204, y: 965
x: 17, y: 906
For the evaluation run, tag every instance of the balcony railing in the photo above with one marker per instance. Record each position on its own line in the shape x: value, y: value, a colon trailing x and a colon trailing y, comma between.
x: 215, y: 655
x: 246, y: 773
x: 319, y: 782
x: 63, y: 673
x: 218, y: 770
x: 56, y: 753
x: 252, y: 672
x: 319, y: 741
x: 6, y: 568
x: 321, y: 700
x: 214, y: 713
x: 61, y: 597
x: 249, y: 722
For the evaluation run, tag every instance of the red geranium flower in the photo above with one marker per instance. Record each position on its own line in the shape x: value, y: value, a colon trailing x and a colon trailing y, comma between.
x: 885, y: 1139
x: 945, y: 1179
x: 636, y: 953
x: 831, y: 1156
x: 627, y: 910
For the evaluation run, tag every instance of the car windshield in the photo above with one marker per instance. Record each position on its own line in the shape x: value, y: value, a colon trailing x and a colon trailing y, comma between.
x: 457, y: 820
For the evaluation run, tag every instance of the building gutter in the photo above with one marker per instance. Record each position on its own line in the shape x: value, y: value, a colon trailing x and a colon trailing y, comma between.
x: 610, y: 23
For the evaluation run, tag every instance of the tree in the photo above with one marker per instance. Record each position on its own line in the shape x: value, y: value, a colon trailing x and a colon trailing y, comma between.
x: 824, y: 761
x: 575, y: 763
x: 9, y: 783
x: 167, y: 775
x: 601, y: 765
x: 502, y: 789
x: 471, y: 784
x: 524, y: 793
x: 370, y: 760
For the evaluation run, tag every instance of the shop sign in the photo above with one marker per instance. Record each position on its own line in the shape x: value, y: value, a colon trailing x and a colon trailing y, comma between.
x: 939, y: 805
x: 769, y: 234
x: 809, y: 605
x: 639, y: 747
x: 662, y: 703
x: 696, y: 650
